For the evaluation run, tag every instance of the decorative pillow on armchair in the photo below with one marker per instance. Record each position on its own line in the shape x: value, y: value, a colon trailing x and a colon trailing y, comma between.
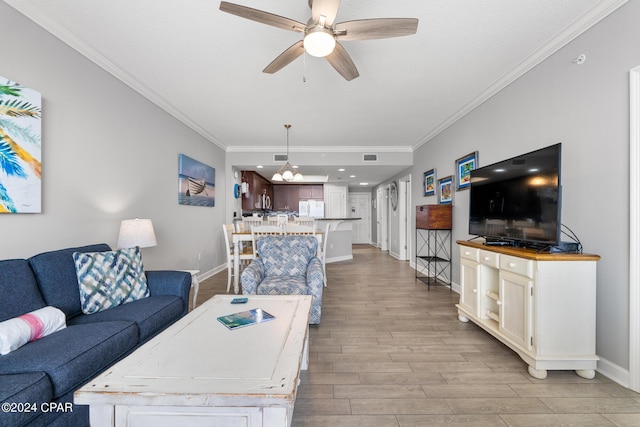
x: 109, y: 279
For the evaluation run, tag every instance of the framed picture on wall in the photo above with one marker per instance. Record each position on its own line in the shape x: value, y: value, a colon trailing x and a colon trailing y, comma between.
x: 429, y: 182
x: 445, y: 190
x: 464, y: 166
x: 196, y: 183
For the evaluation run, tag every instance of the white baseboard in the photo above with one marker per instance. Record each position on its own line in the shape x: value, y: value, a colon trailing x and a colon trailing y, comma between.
x: 339, y: 258
x: 205, y: 275
x: 395, y: 255
x: 614, y: 372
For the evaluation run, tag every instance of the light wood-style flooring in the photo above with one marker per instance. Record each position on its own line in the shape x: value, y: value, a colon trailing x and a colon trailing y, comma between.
x: 389, y: 352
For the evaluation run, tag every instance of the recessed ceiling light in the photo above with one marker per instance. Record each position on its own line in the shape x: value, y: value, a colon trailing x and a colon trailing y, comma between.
x: 259, y: 166
x: 341, y: 170
x: 352, y: 176
x: 295, y: 167
x: 364, y: 183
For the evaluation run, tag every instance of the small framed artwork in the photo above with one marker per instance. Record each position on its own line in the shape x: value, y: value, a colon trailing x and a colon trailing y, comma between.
x: 445, y: 190
x: 429, y: 182
x: 464, y: 166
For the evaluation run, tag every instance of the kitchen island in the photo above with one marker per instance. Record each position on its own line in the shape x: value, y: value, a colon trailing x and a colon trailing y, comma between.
x: 339, y: 237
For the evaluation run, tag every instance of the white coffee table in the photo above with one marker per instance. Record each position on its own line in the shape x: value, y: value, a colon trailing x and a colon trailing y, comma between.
x: 197, y: 372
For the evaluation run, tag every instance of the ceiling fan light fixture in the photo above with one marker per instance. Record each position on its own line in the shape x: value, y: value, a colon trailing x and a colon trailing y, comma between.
x: 319, y: 41
x: 298, y: 177
x: 276, y: 177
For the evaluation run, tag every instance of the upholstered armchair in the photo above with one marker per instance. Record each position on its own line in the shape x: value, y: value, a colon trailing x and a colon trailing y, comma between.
x: 287, y: 265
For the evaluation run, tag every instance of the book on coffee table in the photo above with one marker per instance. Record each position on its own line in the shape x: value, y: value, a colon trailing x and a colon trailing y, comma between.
x: 245, y: 318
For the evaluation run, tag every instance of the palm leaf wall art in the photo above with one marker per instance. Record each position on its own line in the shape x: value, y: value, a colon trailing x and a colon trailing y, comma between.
x: 20, y: 148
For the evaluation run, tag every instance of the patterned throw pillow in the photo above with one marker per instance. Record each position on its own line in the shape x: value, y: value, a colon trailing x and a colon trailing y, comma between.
x: 109, y: 279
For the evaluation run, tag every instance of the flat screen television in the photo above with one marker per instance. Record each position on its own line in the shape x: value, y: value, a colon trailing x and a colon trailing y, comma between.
x: 517, y: 201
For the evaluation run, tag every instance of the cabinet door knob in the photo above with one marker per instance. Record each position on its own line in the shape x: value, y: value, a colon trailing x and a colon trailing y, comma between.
x: 512, y: 265
x: 467, y: 253
x: 487, y: 258
x: 498, y: 302
x: 475, y: 291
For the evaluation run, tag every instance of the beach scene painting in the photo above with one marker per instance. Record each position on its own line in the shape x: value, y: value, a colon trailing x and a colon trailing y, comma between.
x: 20, y: 148
x: 196, y: 183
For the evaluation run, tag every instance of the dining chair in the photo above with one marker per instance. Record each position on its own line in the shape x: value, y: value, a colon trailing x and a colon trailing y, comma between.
x: 296, y: 229
x: 272, y: 220
x: 245, y: 255
x: 305, y: 220
x: 263, y: 230
x: 323, y: 255
x: 250, y: 221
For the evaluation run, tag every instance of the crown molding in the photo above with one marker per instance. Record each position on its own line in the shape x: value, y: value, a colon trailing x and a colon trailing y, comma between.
x: 579, y: 26
x: 41, y: 19
x: 319, y: 149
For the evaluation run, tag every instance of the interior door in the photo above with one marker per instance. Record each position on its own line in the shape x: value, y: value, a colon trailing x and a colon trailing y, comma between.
x: 360, y: 207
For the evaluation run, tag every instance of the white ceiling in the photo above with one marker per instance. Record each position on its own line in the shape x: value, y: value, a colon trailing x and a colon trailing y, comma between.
x: 205, y: 66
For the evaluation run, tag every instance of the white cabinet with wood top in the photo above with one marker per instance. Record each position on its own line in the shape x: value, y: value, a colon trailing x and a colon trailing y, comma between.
x: 541, y: 305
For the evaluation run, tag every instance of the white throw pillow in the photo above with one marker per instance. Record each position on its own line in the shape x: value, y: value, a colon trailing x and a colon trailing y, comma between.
x: 16, y: 332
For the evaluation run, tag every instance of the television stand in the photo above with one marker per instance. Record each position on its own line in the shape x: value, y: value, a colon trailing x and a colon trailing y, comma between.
x: 527, y: 300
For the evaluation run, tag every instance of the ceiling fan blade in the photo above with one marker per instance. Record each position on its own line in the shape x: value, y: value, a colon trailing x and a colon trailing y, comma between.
x: 341, y: 61
x: 366, y: 29
x: 328, y: 8
x: 285, y: 58
x: 262, y: 17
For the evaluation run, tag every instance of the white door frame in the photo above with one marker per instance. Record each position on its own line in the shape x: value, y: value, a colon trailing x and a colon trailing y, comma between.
x: 379, y: 197
x: 385, y: 220
x: 634, y: 231
x: 404, y: 199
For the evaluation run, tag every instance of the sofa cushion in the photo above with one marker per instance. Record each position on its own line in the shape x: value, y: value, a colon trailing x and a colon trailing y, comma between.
x: 55, y: 272
x: 110, y: 278
x: 286, y: 255
x: 30, y: 388
x: 289, y: 285
x: 19, y: 289
x: 75, y: 354
x: 150, y: 314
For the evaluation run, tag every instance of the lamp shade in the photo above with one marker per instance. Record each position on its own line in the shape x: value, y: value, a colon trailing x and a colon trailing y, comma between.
x: 136, y: 232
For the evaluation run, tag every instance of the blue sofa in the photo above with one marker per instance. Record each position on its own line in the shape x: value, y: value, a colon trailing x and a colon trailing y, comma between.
x: 287, y: 265
x: 37, y: 381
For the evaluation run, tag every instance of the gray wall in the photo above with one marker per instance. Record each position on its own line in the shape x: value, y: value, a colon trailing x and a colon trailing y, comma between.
x: 586, y: 107
x: 107, y: 154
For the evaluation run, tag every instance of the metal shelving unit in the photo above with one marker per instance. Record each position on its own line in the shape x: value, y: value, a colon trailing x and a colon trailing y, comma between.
x: 434, y: 244
x: 433, y: 256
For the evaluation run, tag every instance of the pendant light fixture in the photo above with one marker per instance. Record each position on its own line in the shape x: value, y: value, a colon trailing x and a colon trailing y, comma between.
x: 287, y: 172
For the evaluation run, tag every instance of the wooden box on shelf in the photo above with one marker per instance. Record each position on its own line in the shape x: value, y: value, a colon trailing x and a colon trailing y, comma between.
x: 433, y: 217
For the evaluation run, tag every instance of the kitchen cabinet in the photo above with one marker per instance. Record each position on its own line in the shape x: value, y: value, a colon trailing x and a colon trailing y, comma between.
x: 257, y: 186
x: 287, y: 196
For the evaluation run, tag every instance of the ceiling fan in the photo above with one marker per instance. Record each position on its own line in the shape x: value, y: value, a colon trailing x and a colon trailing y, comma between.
x: 321, y: 36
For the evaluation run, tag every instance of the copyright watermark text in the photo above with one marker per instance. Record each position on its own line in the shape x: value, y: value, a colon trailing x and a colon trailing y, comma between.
x: 22, y: 407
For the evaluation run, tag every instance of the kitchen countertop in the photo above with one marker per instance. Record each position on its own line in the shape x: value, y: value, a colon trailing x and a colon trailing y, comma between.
x: 337, y: 219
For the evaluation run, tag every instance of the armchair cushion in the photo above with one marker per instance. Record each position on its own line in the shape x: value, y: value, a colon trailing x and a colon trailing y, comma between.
x: 286, y: 255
